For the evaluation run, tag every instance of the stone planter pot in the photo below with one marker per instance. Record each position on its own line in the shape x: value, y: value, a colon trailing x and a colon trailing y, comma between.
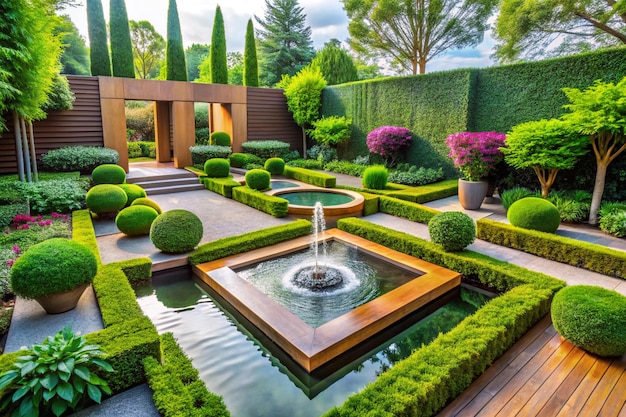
x: 472, y: 193
x: 61, y: 302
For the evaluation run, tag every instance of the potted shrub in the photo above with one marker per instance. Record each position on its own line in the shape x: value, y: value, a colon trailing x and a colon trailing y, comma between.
x: 475, y: 155
x: 55, y: 273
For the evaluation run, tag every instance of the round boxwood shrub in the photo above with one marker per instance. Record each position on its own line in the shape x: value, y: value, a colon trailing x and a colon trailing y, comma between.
x: 108, y: 174
x: 176, y: 231
x: 453, y: 230
x: 375, y: 177
x: 217, y: 168
x: 219, y: 139
x: 534, y: 213
x: 275, y: 166
x: 133, y: 192
x: 258, y: 179
x: 238, y: 160
x: 135, y: 220
x: 145, y: 201
x: 106, y: 198
x: 592, y: 318
x: 54, y: 265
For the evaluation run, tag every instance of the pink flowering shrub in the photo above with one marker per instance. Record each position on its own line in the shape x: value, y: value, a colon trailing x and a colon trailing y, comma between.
x: 24, y: 221
x: 388, y: 141
x: 475, y: 154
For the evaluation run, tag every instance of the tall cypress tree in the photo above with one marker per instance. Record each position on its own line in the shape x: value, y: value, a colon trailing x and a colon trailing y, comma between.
x: 219, y: 63
x: 121, y: 46
x: 250, y: 62
x: 176, y: 69
x: 98, y: 48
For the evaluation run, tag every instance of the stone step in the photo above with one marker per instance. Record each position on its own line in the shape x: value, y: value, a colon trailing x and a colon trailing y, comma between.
x: 147, y: 184
x: 167, y: 183
x: 175, y: 189
x: 177, y: 175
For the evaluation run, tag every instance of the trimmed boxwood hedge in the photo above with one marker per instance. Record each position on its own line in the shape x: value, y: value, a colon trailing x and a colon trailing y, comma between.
x: 137, y: 270
x: 223, y: 186
x: 433, y: 375
x: 270, y: 204
x: 585, y: 255
x: 406, y: 209
x: 320, y: 179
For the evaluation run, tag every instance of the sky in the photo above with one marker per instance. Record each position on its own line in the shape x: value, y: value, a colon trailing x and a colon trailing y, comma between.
x: 326, y: 18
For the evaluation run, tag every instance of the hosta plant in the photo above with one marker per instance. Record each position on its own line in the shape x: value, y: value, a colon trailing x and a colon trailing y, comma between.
x: 58, y: 377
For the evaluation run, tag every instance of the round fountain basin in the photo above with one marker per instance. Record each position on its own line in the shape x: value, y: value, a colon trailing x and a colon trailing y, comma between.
x: 337, y: 203
x: 280, y: 184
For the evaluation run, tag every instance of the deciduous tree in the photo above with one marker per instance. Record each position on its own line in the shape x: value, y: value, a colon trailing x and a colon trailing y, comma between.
x: 121, y: 45
x: 98, y: 48
x: 175, y: 67
x: 194, y: 55
x: 250, y: 61
x: 148, y: 47
x: 219, y: 62
x: 411, y: 33
x: 75, y: 56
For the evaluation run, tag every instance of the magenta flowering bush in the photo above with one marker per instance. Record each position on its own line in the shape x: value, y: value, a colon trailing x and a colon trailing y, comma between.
x: 388, y: 141
x: 475, y: 154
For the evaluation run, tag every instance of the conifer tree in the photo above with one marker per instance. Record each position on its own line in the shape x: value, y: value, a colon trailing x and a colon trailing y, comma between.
x: 121, y: 46
x: 98, y: 48
x: 336, y: 65
x: 250, y: 62
x: 219, y: 63
x: 176, y: 69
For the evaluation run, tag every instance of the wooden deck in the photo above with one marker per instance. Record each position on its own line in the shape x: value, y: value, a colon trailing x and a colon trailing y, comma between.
x: 545, y: 375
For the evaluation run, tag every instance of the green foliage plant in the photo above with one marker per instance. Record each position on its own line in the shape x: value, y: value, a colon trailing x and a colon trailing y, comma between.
x: 415, y: 176
x: 306, y: 163
x: 600, y: 113
x: 145, y: 201
x: 304, y: 95
x: 250, y: 61
x: 534, y: 213
x: 546, y: 146
x: 265, y: 148
x: 176, y: 231
x: 319, y: 179
x: 375, y: 177
x: 453, y: 230
x: 592, y: 318
x: 573, y: 206
x: 135, y: 220
x: 217, y: 168
x: 75, y: 57
x: 148, y: 47
x: 175, y: 66
x: 60, y: 195
x: 614, y: 223
x: 219, y: 65
x: 52, y: 266
x: 238, y: 160
x: 331, y: 131
x: 336, y: 65
x: 275, y: 166
x: 258, y: 179
x: 511, y: 195
x: 60, y: 374
x: 60, y: 96
x: 270, y: 204
x: 121, y: 46
x: 345, y: 167
x: 220, y: 139
x: 140, y: 122
x: 78, y: 158
x: 108, y: 174
x: 106, y: 199
x: 98, y: 48
x: 201, y: 153
x: 222, y: 186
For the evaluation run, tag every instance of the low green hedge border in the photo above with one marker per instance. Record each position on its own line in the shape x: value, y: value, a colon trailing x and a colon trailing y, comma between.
x: 178, y: 389
x: 319, y: 179
x: 371, y: 203
x: 432, y: 376
x: 585, y: 255
x: 406, y: 209
x: 233, y: 245
x: 270, y: 204
x: 137, y: 270
x: 430, y: 192
x: 223, y: 186
x: 82, y: 231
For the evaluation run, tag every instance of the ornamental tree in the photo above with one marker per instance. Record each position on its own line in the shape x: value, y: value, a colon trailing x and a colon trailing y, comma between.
x: 98, y: 49
x: 331, y: 131
x: 219, y: 63
x: 388, y: 141
x: 600, y: 113
x: 475, y: 154
x: 175, y: 68
x: 546, y: 146
x: 250, y: 61
x: 121, y: 45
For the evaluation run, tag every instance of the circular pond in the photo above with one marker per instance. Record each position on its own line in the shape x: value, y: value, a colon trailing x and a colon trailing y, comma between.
x: 337, y: 203
x: 309, y: 198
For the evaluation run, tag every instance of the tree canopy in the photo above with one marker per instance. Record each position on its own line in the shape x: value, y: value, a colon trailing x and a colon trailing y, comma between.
x: 528, y: 29
x: 219, y: 63
x: 148, y: 48
x: 250, y: 60
x: 411, y: 33
x: 121, y: 45
x: 235, y: 68
x: 98, y: 48
x: 284, y: 40
x: 336, y: 65
x: 195, y: 55
x: 75, y: 56
x: 175, y: 67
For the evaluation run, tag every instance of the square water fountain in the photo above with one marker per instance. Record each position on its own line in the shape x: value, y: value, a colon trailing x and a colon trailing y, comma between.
x: 310, y: 339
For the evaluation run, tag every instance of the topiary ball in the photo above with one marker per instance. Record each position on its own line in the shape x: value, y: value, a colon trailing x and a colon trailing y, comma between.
x: 136, y: 220
x: 133, y: 192
x: 145, y: 201
x: 108, y: 174
x: 106, y: 198
x: 52, y: 266
x: 275, y: 166
x: 592, y: 318
x: 217, y: 168
x: 238, y: 160
x: 176, y: 231
x: 453, y: 230
x: 375, y: 177
x: 534, y: 213
x: 219, y: 139
x: 258, y: 179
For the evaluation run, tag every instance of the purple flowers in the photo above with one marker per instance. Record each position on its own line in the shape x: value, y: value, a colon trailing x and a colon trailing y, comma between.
x: 388, y: 141
x: 475, y: 154
x: 24, y: 221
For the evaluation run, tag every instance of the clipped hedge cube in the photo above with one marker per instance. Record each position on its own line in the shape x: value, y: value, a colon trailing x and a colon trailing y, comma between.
x: 136, y: 220
x: 108, y: 174
x: 217, y: 168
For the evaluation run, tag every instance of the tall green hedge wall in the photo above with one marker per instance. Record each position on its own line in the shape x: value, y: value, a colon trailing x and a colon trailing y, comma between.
x: 435, y: 105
